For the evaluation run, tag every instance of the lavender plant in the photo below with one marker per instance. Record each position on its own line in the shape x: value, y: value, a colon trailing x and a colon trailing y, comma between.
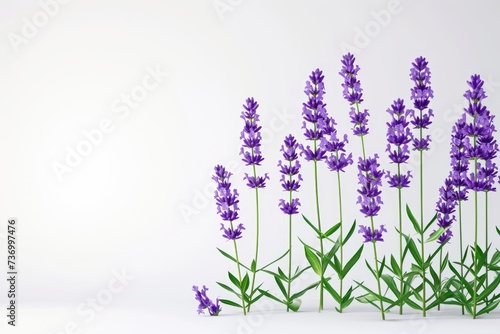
x: 421, y: 116
x: 314, y: 112
x: 398, y: 137
x: 369, y: 176
x: 290, y: 182
x: 227, y: 207
x: 337, y: 159
x: 250, y: 150
x: 480, y: 148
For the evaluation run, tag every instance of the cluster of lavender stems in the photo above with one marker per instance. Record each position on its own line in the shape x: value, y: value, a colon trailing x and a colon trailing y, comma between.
x: 481, y: 149
x: 370, y: 178
x: 250, y: 150
x: 473, y: 168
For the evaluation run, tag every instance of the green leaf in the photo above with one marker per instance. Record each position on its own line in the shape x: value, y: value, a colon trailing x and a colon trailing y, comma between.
x: 332, y: 291
x: 391, y: 284
x: 414, y: 252
x: 253, y: 267
x: 350, y: 233
x: 462, y: 280
x: 280, y: 285
x: 225, y: 287
x: 434, y: 236
x: 298, y: 273
x: 444, y: 263
x: 303, y: 291
x: 331, y: 230
x: 273, y: 262
x: 395, y: 267
x: 318, y: 233
x: 294, y: 305
x: 282, y: 274
x: 231, y: 258
x: 245, y: 283
x: 313, y: 260
x: 498, y: 230
x: 229, y: 302
x: 234, y: 280
x: 431, y: 222
x: 489, y: 289
x: 270, y: 296
x: 495, y: 259
x: 416, y: 225
x: 490, y: 307
x: 352, y: 262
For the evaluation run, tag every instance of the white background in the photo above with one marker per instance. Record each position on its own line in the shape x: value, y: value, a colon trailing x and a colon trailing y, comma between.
x: 140, y: 201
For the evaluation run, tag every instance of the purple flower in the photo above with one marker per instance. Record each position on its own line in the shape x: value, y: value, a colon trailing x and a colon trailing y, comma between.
x: 445, y: 236
x: 445, y: 208
x: 352, y: 86
x: 374, y: 236
x: 230, y: 233
x: 313, y: 112
x: 459, y: 161
x: 205, y: 302
x: 353, y: 93
x: 370, y: 178
x: 398, y: 137
x: 251, y: 137
x: 479, y: 143
x: 421, y: 94
x: 290, y: 177
x: 338, y: 159
x: 227, y: 202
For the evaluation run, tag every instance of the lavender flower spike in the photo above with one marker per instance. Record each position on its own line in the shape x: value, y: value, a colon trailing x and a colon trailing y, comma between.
x: 205, y: 302
x: 313, y: 112
x: 338, y: 159
x: 398, y: 137
x: 421, y: 94
x: 370, y: 178
x: 445, y: 208
x: 251, y: 137
x: 290, y: 177
x: 227, y: 203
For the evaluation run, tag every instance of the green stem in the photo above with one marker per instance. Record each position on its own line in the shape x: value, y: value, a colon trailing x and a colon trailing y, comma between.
x: 341, y: 234
x: 289, y: 253
x: 486, y: 237
x: 243, y: 306
x: 440, y: 275
x: 474, y: 297
x: 319, y: 229
x: 256, y: 233
x: 377, y: 272
x: 461, y: 247
x: 401, y: 285
x: 422, y: 241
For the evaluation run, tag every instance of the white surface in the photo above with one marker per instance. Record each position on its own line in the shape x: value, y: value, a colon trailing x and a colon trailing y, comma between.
x: 120, y: 208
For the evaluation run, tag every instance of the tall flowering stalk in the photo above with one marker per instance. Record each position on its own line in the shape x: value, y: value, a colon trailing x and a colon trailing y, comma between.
x: 250, y: 150
x: 290, y: 182
x: 481, y: 148
x: 458, y: 174
x: 370, y: 179
x: 227, y: 207
x: 337, y: 159
x: 313, y: 112
x: 398, y: 137
x: 421, y: 116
